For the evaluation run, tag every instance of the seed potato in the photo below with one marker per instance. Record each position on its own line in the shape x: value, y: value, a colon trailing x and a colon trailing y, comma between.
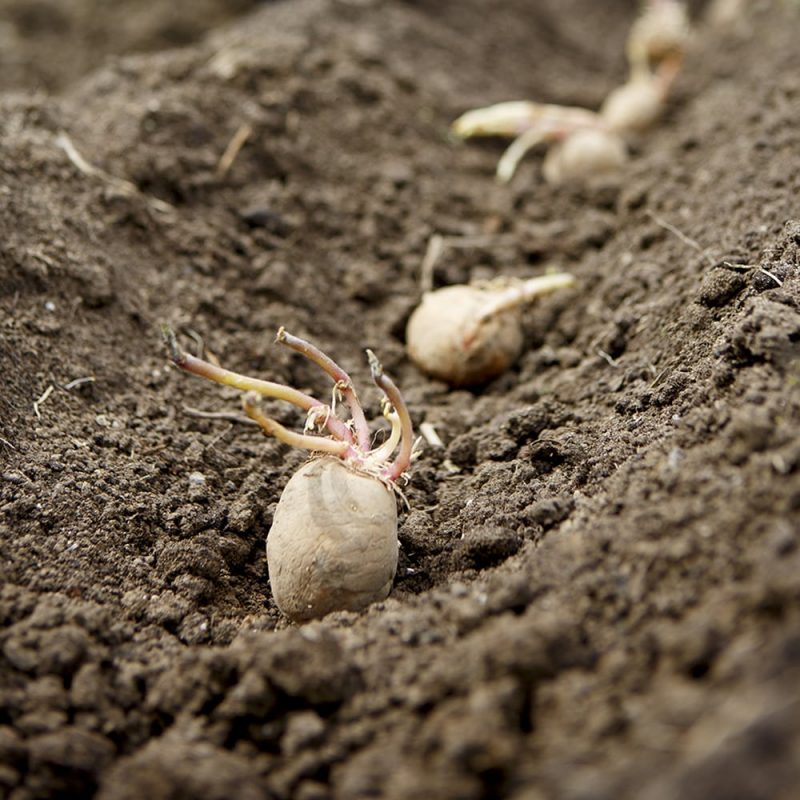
x: 333, y: 541
x: 466, y: 335
x: 447, y: 339
x: 584, y: 154
x: 634, y: 106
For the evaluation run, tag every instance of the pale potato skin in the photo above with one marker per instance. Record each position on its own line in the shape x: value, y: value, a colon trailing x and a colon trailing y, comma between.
x: 582, y: 155
x: 633, y: 107
x: 333, y: 542
x: 444, y: 341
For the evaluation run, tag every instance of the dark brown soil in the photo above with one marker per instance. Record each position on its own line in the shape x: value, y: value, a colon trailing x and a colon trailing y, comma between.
x: 599, y: 589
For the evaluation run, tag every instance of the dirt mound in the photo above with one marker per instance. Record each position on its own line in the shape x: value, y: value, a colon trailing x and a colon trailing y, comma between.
x: 599, y: 584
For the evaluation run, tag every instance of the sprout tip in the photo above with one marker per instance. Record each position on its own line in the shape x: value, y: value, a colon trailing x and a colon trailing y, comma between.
x: 375, y: 366
x: 176, y: 354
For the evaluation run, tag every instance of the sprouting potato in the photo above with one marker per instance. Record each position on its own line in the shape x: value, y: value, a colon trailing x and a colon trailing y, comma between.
x: 467, y: 335
x: 584, y: 154
x: 448, y: 340
x: 531, y: 123
x: 333, y: 541
x: 660, y: 34
x: 583, y: 143
x: 634, y: 106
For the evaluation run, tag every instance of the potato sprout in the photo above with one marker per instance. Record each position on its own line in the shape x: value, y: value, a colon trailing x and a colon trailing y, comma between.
x: 584, y: 143
x: 333, y: 541
x: 466, y: 335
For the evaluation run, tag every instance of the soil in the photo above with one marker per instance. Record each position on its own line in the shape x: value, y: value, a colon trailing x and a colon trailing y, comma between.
x: 599, y: 585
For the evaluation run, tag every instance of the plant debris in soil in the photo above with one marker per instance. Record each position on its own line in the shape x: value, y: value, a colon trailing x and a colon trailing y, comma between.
x: 599, y: 583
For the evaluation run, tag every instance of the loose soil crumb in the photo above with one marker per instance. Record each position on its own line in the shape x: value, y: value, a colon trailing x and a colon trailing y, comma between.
x: 599, y: 586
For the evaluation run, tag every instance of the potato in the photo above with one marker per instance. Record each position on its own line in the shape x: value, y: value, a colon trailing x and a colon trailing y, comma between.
x: 582, y: 143
x: 333, y: 542
x: 447, y: 339
x: 467, y: 335
x: 660, y: 33
x: 582, y: 155
x: 634, y: 106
